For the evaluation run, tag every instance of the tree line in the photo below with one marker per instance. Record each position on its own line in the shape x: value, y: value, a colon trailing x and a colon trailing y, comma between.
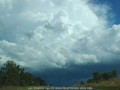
x: 13, y: 75
x: 97, y: 76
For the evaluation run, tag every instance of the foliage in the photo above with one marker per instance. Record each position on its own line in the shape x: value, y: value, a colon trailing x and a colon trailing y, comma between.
x: 105, y: 75
x: 114, y: 73
x: 91, y: 80
x: 102, y: 81
x: 12, y: 75
x: 96, y: 76
x: 108, y: 75
x: 82, y: 82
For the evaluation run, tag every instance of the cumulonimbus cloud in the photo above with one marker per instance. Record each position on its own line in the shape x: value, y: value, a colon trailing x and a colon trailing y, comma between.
x: 59, y: 33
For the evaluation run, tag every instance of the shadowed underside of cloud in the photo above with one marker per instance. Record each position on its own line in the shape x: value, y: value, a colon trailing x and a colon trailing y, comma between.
x: 75, y: 73
x: 45, y: 34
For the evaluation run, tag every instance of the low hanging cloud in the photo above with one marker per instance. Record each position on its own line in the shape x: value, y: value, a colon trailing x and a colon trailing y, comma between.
x: 56, y: 34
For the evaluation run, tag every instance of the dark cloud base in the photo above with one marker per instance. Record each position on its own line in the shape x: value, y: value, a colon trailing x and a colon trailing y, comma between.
x: 67, y: 76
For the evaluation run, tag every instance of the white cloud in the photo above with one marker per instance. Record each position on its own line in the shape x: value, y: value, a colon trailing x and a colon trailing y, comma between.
x: 35, y: 17
x: 59, y: 33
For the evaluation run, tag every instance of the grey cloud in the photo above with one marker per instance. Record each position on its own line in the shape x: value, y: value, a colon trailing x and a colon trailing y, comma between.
x: 71, y: 33
x: 68, y: 38
x: 29, y: 34
x: 76, y: 72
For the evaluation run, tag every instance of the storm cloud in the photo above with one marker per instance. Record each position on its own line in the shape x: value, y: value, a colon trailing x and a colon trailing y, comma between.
x: 57, y: 34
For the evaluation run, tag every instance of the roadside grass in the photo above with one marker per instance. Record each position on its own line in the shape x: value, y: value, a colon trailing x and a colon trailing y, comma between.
x: 111, y: 84
x: 24, y: 88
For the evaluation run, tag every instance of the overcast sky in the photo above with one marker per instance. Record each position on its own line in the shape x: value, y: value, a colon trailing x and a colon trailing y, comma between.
x: 61, y: 41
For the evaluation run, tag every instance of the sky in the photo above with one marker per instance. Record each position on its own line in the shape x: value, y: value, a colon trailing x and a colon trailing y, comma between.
x: 61, y: 41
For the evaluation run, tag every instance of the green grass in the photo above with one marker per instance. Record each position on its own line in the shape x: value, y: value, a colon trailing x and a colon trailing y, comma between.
x: 24, y: 88
x: 38, y: 88
x: 111, y: 84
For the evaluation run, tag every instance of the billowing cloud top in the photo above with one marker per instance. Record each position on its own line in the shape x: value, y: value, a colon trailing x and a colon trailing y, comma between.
x: 41, y: 34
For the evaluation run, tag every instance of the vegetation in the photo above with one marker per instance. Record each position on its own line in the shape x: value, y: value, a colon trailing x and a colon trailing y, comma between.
x: 13, y: 75
x: 25, y: 88
x: 98, y: 77
x: 103, y: 81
